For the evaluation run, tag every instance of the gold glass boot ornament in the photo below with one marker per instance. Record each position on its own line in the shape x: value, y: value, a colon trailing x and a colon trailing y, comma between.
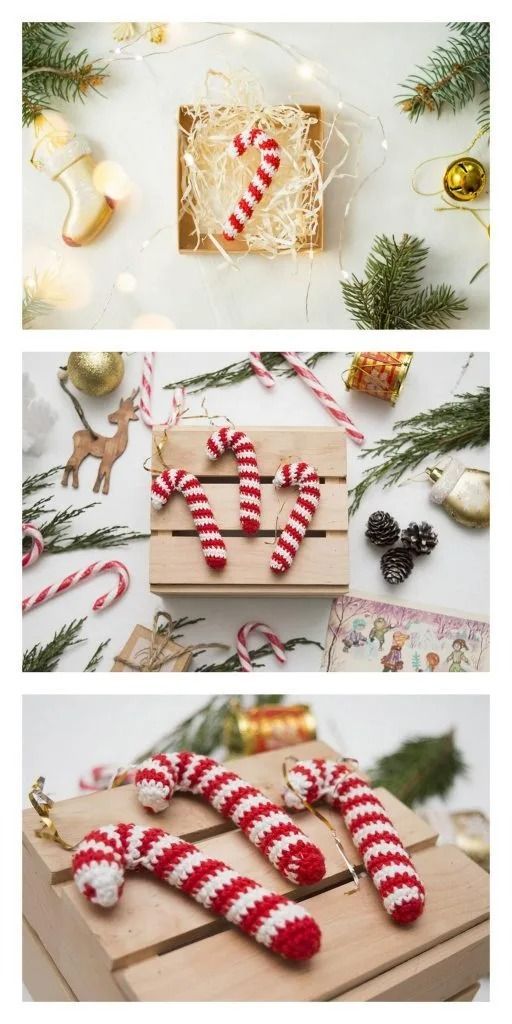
x: 463, y: 493
x: 66, y: 158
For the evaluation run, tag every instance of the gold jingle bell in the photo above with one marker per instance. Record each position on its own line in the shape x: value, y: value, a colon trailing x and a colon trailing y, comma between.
x: 464, y: 179
x: 96, y: 373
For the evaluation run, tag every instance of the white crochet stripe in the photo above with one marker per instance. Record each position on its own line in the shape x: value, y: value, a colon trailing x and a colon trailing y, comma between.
x: 219, y: 798
x: 153, y: 794
x: 262, y: 826
x: 246, y: 901
x: 402, y: 895
x: 356, y: 812
x: 390, y: 870
x: 248, y: 804
x: 376, y: 829
x: 184, y: 868
x: 384, y: 847
x: 213, y: 886
x: 278, y: 917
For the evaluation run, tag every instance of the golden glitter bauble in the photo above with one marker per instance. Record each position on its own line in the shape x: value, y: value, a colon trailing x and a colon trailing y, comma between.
x: 96, y: 373
x: 465, y: 179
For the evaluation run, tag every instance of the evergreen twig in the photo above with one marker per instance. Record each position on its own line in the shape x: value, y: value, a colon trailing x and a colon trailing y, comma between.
x: 204, y: 730
x: 51, y: 71
x: 232, y: 664
x: 462, y: 423
x: 46, y: 657
x: 237, y: 372
x: 391, y: 296
x: 95, y: 658
x: 453, y: 75
x: 39, y: 481
x: 421, y: 767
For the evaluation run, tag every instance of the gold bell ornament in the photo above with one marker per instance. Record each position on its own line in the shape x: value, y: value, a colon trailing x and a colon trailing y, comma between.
x: 66, y: 157
x: 96, y: 373
x: 463, y: 493
x: 464, y: 179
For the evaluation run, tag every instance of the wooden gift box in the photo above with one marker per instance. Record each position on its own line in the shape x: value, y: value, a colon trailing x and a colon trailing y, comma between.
x: 320, y: 568
x: 157, y: 944
x: 136, y: 647
x: 187, y: 239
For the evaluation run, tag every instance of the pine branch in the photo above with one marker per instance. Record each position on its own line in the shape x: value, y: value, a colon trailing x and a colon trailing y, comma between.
x: 391, y: 296
x: 232, y: 664
x: 39, y: 481
x: 95, y: 659
x: 46, y: 657
x: 421, y: 767
x: 237, y: 372
x: 453, y: 74
x: 51, y: 71
x: 462, y: 423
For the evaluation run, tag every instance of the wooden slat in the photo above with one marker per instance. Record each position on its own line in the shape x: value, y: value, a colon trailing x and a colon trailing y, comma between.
x: 359, y: 942
x: 324, y: 447
x: 43, y: 980
x: 276, y: 506
x: 467, y: 995
x: 318, y: 562
x: 436, y: 974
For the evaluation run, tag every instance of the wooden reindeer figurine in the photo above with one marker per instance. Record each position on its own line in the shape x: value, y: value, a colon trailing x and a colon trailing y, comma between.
x: 108, y: 449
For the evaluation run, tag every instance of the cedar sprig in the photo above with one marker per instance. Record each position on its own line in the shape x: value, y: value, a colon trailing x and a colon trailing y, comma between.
x: 453, y: 75
x: 232, y: 664
x: 461, y: 423
x: 95, y: 658
x: 50, y: 71
x: 237, y: 372
x: 46, y: 657
x: 391, y: 296
x: 39, y: 481
x: 422, y: 767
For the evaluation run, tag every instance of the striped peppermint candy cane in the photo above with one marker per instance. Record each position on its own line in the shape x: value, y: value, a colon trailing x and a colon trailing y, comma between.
x: 248, y: 472
x: 74, y: 578
x: 31, y: 556
x: 271, y: 159
x: 100, y: 861
x: 384, y: 857
x: 259, y: 368
x: 265, y: 824
x: 303, y: 476
x: 146, y: 391
x: 171, y: 480
x: 242, y: 640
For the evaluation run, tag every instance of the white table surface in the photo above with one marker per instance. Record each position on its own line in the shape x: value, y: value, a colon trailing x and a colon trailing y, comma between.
x: 136, y: 127
x: 455, y: 576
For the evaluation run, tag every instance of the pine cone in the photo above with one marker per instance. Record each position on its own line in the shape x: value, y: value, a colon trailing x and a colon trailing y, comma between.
x: 396, y: 565
x: 382, y: 529
x: 420, y: 538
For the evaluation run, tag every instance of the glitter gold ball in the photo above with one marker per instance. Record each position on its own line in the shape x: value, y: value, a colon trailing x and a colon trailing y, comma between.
x: 96, y: 373
x: 465, y: 179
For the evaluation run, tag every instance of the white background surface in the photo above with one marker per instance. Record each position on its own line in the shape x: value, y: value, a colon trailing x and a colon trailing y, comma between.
x: 455, y: 576
x: 135, y: 126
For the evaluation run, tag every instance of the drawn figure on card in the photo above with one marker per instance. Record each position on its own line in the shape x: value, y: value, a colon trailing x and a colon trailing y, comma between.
x: 355, y: 638
x: 432, y: 659
x: 392, y: 661
x: 457, y: 659
x: 379, y: 629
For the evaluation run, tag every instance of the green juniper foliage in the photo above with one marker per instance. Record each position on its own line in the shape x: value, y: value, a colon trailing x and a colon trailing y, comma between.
x: 46, y: 657
x: 454, y: 74
x: 51, y: 71
x: 461, y: 423
x: 95, y: 659
x: 391, y: 297
x: 237, y: 372
x: 421, y: 767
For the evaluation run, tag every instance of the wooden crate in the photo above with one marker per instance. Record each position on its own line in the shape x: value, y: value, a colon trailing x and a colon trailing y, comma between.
x: 320, y: 568
x: 157, y: 944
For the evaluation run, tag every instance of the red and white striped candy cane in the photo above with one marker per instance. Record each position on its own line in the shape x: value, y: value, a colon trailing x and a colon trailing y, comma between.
x: 385, y: 858
x: 271, y: 159
x: 265, y: 824
x: 29, y: 530
x: 306, y: 478
x: 146, y: 391
x: 329, y: 403
x: 259, y: 368
x: 101, y: 859
x: 77, y: 577
x: 248, y: 472
x: 171, y: 480
x: 243, y: 650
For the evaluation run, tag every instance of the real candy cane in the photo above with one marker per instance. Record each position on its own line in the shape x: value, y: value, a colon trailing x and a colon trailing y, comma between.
x: 95, y: 569
x: 271, y: 159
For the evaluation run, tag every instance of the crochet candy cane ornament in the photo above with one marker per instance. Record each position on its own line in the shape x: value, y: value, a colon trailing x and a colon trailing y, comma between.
x: 248, y: 472
x: 306, y: 478
x: 385, y: 858
x: 268, y: 826
x: 31, y: 556
x: 171, y: 480
x: 104, y: 601
x: 259, y: 184
x: 101, y: 859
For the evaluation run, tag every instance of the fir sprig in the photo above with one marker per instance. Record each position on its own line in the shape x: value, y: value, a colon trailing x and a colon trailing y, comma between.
x: 46, y: 657
x: 232, y: 664
x: 51, y: 71
x: 462, y: 423
x: 391, y: 296
x: 237, y: 372
x: 95, y: 658
x: 421, y: 767
x: 453, y: 74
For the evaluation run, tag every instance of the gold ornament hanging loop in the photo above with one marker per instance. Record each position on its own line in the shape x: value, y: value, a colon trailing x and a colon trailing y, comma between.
x: 42, y: 804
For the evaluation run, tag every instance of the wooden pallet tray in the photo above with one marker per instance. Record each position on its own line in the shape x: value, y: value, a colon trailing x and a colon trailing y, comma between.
x: 320, y: 568
x: 156, y: 944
